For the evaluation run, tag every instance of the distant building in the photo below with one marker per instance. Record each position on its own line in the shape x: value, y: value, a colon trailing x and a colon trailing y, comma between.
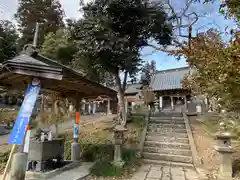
x: 132, y: 95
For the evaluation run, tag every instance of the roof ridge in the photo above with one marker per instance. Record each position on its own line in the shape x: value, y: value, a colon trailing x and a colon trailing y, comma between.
x: 176, y: 69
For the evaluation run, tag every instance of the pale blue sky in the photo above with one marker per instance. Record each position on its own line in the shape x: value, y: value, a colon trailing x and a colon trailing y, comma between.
x: 211, y: 19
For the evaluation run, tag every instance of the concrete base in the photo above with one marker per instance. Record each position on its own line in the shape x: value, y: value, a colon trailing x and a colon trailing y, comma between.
x: 75, y: 152
x: 72, y: 171
x: 18, y: 166
x: 119, y: 164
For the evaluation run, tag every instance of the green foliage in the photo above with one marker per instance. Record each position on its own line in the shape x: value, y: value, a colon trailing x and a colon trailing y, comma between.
x: 105, y: 168
x: 4, y: 157
x: 48, y: 13
x: 112, y: 33
x: 8, y: 40
x: 58, y: 46
x: 61, y: 47
x: 216, y: 69
x: 233, y: 9
x: 103, y: 154
x: 137, y: 119
x: 147, y: 72
x: 230, y: 119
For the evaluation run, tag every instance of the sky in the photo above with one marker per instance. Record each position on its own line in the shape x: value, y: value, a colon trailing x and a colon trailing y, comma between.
x: 211, y: 19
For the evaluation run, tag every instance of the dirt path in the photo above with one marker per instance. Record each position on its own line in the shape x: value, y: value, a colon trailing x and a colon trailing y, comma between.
x: 210, y: 158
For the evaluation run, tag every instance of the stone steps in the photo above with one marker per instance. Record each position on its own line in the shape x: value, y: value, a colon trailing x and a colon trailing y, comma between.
x: 166, y: 121
x: 166, y: 145
x: 167, y: 125
x: 167, y: 130
x: 167, y: 157
x: 167, y: 163
x: 167, y: 141
x: 167, y: 134
x: 173, y: 139
x: 182, y: 152
x: 166, y: 114
x: 167, y: 118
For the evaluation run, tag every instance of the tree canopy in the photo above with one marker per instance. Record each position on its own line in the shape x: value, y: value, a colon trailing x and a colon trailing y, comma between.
x: 147, y: 72
x: 216, y: 69
x: 58, y: 46
x: 112, y: 33
x: 48, y: 13
x: 8, y: 40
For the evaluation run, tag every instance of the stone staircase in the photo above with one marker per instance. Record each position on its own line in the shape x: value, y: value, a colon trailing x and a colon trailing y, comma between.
x: 167, y: 141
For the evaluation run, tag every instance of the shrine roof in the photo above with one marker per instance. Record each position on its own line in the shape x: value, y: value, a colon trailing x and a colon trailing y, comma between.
x: 169, y: 79
x: 130, y: 88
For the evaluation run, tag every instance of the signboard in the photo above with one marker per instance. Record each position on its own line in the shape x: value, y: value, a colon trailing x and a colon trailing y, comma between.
x: 75, y: 132
x: 24, y: 114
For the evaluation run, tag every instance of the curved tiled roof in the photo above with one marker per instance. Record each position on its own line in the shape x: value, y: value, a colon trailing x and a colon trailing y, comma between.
x: 169, y: 79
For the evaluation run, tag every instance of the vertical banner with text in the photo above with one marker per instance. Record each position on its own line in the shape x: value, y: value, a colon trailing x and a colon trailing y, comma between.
x: 25, y: 112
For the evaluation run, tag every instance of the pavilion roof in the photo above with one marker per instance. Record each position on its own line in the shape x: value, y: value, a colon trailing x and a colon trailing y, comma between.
x: 54, y: 76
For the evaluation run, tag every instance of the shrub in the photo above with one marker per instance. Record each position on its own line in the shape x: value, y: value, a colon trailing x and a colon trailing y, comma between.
x: 105, y: 168
x: 230, y: 119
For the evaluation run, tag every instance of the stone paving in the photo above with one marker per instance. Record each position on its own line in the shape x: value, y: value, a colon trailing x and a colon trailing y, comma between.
x: 158, y: 172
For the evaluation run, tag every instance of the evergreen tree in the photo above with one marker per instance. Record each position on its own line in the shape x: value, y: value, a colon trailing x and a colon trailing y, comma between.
x: 112, y: 33
x: 148, y: 70
x: 8, y: 40
x: 48, y: 13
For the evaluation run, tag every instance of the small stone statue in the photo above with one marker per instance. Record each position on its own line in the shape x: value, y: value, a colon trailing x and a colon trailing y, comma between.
x: 223, y: 127
x: 42, y: 137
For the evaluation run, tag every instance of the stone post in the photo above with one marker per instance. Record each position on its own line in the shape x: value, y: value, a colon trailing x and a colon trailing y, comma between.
x: 185, y: 102
x: 18, y: 166
x: 225, y: 149
x: 75, y: 147
x: 118, y: 138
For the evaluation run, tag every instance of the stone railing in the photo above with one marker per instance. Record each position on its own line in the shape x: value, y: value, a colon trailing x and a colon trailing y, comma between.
x: 196, y: 158
x: 144, y: 133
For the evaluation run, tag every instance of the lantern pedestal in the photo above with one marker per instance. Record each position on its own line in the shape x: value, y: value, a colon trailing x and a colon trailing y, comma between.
x: 118, y: 138
x: 225, y: 149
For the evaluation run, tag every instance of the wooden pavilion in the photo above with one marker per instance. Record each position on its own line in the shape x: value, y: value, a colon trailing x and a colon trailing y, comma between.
x: 54, y: 77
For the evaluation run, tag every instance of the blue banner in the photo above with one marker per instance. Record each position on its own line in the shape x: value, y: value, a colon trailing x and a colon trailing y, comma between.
x: 24, y: 114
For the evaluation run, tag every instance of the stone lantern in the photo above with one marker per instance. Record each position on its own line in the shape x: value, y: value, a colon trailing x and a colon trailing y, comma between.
x: 118, y: 140
x: 225, y: 149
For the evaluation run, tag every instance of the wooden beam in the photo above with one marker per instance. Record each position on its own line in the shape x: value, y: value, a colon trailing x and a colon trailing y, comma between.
x: 64, y: 88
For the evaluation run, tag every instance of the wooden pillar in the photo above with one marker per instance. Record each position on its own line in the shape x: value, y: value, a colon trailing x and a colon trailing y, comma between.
x: 108, y: 107
x: 172, y: 105
x: 160, y: 102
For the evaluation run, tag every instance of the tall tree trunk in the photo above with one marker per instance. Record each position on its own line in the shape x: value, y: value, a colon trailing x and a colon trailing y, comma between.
x: 121, y: 91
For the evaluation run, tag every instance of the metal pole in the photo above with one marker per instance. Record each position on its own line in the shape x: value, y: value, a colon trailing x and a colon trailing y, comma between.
x: 36, y: 35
